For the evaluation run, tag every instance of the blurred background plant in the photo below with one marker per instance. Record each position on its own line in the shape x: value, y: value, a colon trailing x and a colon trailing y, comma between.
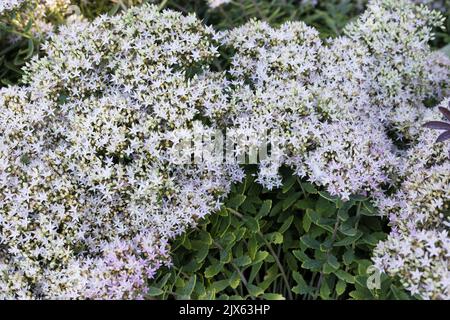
x: 26, y: 24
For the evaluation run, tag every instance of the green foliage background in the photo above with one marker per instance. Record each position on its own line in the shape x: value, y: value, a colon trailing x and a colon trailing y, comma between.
x: 297, y: 242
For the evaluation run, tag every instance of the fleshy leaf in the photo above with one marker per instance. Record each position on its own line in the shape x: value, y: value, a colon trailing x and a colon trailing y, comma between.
x: 445, y: 112
x: 439, y: 125
x: 444, y: 136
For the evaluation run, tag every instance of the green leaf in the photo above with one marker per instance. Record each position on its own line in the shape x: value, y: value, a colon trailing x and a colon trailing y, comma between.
x: 191, y: 266
x: 291, y: 261
x: 309, y: 187
x: 399, y: 294
x: 304, y: 204
x: 154, y: 292
x: 286, y: 224
x: 223, y: 212
x: 358, y: 198
x: 260, y: 256
x: 313, y: 265
x: 254, y: 291
x: 186, y: 291
x: 327, y: 224
x: 328, y: 196
x: 242, y: 261
x: 202, y: 253
x: 347, y: 229
x: 276, y: 238
x: 369, y: 208
x: 325, y: 208
x: 327, y: 268
x: 326, y: 245
x: 348, y: 257
x: 333, y: 261
x: 313, y: 215
x: 348, y: 240
x: 345, y: 276
x: 310, y: 242
x: 30, y: 49
x: 225, y: 256
x: 252, y: 247
x: 340, y: 287
x: 343, y: 214
x: 213, y: 270
x: 363, y: 264
x: 361, y: 294
x: 234, y: 280
x: 301, y: 287
x: 219, y: 230
x: 220, y: 285
x: 301, y: 256
x: 271, y: 275
x: 163, y: 281
x: 325, y: 291
x: 276, y: 209
x: 290, y: 200
x: 306, y: 223
x: 252, y: 224
x: 287, y: 185
x: 265, y: 208
x: 206, y: 238
x: 370, y: 240
x: 199, y: 289
x: 273, y: 296
x: 236, y: 201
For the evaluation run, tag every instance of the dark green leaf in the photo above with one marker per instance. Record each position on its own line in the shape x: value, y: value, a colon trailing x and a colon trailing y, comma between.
x: 290, y: 200
x: 154, y: 292
x: 213, y: 270
x: 255, y: 291
x: 236, y: 201
x: 310, y: 242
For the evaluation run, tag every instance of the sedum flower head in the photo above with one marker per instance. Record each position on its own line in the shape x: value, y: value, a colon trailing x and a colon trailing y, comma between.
x: 90, y: 193
x: 417, y: 249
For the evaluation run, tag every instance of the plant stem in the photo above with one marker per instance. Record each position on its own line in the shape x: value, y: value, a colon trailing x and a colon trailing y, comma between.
x: 333, y: 237
x: 272, y: 252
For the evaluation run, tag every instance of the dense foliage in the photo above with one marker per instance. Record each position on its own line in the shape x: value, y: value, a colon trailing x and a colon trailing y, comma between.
x: 97, y: 201
x: 296, y: 242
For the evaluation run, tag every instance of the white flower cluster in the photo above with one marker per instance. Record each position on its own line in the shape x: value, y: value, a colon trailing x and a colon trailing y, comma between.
x: 92, y: 182
x: 326, y: 99
x: 419, y: 259
x: 441, y: 5
x: 418, y: 249
x: 7, y: 5
x: 336, y: 106
x: 89, y: 194
x: 405, y: 70
x: 52, y: 5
